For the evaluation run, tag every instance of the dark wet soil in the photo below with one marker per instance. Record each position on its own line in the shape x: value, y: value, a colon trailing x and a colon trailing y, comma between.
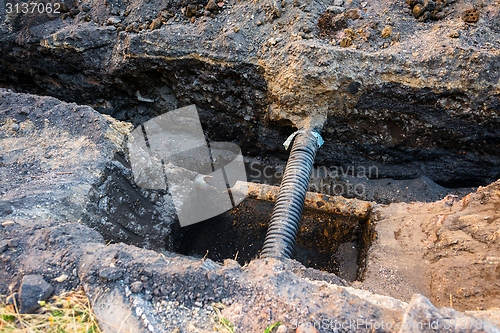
x: 326, y: 242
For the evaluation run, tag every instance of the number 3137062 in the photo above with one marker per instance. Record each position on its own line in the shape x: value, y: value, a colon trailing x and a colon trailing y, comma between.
x: 32, y: 7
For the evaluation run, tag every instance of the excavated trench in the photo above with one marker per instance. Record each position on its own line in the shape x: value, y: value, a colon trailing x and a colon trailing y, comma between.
x: 326, y: 242
x: 378, y: 148
x: 146, y: 218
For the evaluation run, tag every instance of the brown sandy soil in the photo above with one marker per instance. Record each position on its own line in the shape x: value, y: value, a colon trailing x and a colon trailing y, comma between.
x: 448, y: 250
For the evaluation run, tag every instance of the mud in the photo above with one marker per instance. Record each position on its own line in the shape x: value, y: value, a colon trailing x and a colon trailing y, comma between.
x: 327, y: 242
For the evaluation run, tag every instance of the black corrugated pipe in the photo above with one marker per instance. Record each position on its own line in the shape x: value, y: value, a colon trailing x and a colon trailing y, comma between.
x: 287, y: 212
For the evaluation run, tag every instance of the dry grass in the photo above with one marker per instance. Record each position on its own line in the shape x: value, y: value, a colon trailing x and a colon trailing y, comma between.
x: 67, y: 313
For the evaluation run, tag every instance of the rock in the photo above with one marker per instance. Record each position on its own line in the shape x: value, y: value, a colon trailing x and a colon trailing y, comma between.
x: 438, y: 15
x: 471, y: 15
x: 422, y: 316
x: 429, y: 5
x: 336, y: 9
x: 278, y: 8
x: 306, y: 328
x: 15, y: 127
x: 33, y: 290
x: 418, y: 10
x: 191, y: 10
x: 386, y: 32
x: 136, y: 287
x: 8, y: 223
x: 4, y: 245
x: 156, y: 24
x: 329, y: 24
x: 5, y: 207
x: 282, y: 329
x: 346, y: 41
x: 454, y: 34
x: 352, y: 14
x: 110, y: 274
x: 61, y: 278
x: 211, y: 6
x: 113, y: 20
x: 338, y: 3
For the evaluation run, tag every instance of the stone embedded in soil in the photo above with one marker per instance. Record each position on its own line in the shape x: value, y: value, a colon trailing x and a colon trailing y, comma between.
x: 421, y: 315
x: 418, y: 10
x: 110, y: 274
x: 33, y: 290
x: 4, y: 245
x: 471, y: 15
x: 5, y: 208
x: 8, y: 223
x: 136, y: 287
x: 329, y: 24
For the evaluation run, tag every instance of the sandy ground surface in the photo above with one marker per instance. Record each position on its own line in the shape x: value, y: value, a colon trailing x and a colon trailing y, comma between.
x: 447, y: 250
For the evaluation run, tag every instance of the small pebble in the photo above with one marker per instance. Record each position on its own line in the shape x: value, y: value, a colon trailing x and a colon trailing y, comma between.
x: 113, y: 20
x: 336, y: 9
x: 387, y: 32
x: 282, y: 329
x: 306, y: 328
x: 8, y: 223
x: 418, y: 10
x: 278, y: 8
x: 61, y: 278
x: 136, y: 287
x: 471, y: 15
x: 15, y: 127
